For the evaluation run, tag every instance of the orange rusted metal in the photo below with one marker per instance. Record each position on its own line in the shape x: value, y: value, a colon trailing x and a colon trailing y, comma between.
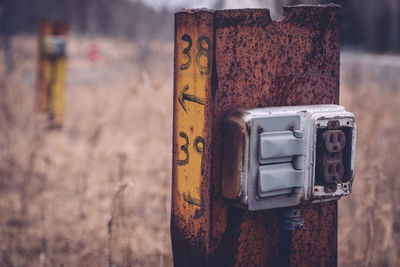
x: 251, y: 61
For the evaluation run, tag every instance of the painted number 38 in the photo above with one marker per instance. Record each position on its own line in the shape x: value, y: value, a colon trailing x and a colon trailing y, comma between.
x: 203, y: 50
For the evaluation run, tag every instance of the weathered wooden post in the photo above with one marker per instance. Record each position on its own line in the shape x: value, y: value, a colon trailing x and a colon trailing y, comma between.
x: 228, y: 59
x: 51, y: 70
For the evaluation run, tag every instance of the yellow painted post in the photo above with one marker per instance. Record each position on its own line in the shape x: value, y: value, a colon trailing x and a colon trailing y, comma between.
x: 51, y: 70
x: 192, y: 131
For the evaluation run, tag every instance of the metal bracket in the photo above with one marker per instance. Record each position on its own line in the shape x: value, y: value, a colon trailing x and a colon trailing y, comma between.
x: 290, y: 218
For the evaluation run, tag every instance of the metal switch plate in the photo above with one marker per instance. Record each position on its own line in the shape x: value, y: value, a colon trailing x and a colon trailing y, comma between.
x: 277, y: 157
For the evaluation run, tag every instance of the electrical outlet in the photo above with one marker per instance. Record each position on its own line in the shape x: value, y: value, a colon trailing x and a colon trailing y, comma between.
x: 334, y: 140
x: 332, y: 168
x: 285, y: 156
x: 333, y: 171
x: 333, y: 163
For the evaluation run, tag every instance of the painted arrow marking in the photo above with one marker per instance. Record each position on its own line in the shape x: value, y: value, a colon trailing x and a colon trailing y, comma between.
x: 188, y: 97
x: 195, y: 202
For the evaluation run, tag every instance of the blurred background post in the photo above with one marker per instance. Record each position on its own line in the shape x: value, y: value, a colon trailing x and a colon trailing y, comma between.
x: 51, y: 70
x: 97, y: 192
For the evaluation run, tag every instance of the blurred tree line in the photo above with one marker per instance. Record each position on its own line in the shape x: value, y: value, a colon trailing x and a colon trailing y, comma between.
x: 366, y: 24
x: 127, y: 18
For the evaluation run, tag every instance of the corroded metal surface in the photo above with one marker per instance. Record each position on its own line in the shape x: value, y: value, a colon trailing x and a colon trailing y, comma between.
x: 317, y: 244
x: 232, y: 150
x: 256, y: 62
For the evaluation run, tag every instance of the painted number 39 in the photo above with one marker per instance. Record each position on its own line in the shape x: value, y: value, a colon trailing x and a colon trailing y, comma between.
x: 199, y: 147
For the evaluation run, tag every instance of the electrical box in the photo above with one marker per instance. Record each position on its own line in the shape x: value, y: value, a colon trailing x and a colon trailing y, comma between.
x: 53, y: 46
x: 284, y: 156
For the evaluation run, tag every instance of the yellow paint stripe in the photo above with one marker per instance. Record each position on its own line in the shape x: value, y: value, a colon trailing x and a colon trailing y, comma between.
x: 57, y: 101
x: 192, y: 79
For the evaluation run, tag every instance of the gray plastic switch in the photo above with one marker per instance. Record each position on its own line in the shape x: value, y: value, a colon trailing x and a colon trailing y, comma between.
x: 279, y: 147
x: 278, y: 179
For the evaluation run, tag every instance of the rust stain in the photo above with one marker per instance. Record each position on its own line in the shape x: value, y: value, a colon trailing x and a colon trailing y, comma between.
x: 232, y: 149
x: 258, y: 62
x: 317, y: 244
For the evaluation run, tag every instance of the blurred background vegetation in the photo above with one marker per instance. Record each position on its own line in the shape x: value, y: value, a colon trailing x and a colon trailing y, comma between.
x: 366, y: 24
x: 93, y: 193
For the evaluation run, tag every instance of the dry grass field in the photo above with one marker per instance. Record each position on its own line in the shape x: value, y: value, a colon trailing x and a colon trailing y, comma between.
x: 369, y: 219
x: 97, y: 192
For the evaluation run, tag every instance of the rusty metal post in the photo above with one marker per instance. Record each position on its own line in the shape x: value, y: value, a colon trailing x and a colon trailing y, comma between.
x: 51, y: 70
x: 242, y: 59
